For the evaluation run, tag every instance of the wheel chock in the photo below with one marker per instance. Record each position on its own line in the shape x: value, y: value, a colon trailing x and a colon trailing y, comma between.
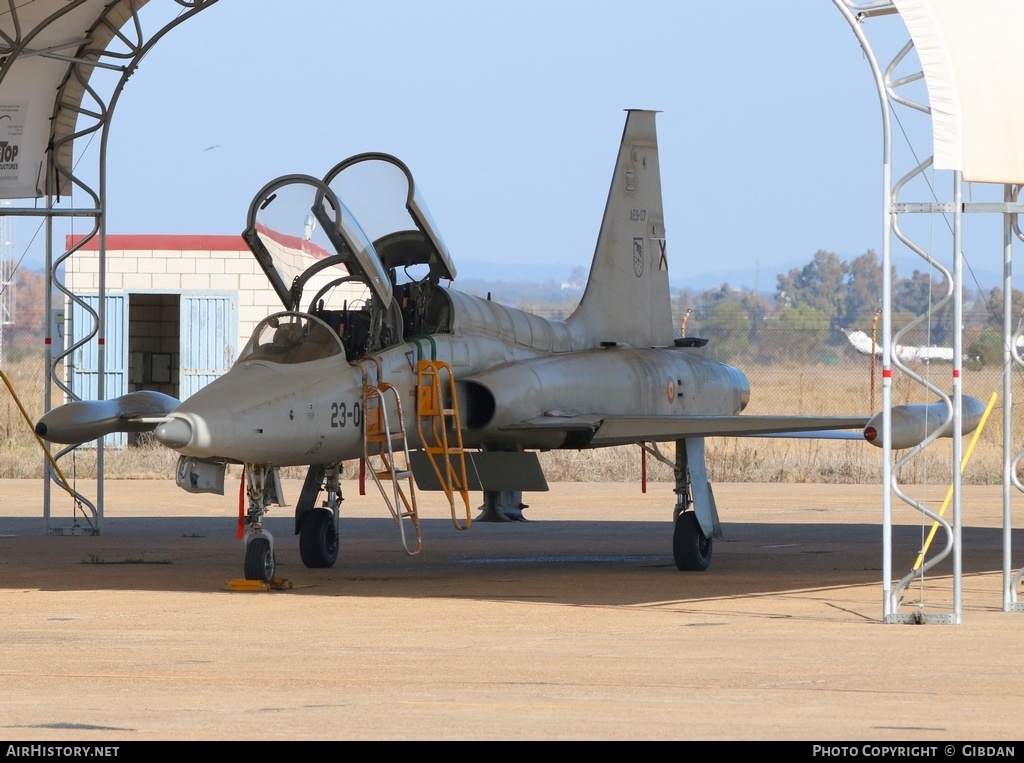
x: 277, y: 584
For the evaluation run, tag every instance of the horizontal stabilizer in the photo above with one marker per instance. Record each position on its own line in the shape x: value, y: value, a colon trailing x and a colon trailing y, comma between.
x: 86, y: 420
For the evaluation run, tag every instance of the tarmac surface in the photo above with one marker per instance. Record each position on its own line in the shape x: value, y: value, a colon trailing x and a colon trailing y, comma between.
x: 574, y: 625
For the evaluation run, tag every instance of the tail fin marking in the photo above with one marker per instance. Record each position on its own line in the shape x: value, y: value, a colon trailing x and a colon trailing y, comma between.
x: 627, y: 298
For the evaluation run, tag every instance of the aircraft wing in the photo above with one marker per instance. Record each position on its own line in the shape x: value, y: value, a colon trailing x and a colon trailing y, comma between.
x: 599, y: 431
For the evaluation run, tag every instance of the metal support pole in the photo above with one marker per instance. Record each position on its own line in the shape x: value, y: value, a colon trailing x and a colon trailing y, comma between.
x: 958, y: 424
x: 1008, y: 364
x: 48, y: 359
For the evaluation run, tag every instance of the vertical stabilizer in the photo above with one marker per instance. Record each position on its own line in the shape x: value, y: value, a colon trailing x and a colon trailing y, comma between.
x: 627, y: 297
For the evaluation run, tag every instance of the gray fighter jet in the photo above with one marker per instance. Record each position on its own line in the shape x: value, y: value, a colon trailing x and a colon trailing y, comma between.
x: 374, y: 361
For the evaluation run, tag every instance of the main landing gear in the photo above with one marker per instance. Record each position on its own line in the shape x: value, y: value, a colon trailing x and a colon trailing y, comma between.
x: 318, y: 539
x: 317, y: 527
x: 691, y: 544
x: 691, y: 550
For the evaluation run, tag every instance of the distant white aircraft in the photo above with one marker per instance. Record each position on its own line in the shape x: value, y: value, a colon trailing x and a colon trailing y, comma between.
x: 862, y: 343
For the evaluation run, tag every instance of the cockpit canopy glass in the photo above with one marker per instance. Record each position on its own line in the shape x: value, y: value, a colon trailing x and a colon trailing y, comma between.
x: 293, y: 235
x: 381, y: 192
x: 363, y: 223
x: 291, y: 338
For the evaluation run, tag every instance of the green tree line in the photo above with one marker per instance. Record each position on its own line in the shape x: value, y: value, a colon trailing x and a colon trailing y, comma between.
x: 812, y: 306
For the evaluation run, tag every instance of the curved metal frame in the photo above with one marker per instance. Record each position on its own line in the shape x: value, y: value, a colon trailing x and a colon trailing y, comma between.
x: 116, y: 41
x: 888, y: 85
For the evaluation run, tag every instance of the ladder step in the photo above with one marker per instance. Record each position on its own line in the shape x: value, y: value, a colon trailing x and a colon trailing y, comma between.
x: 436, y: 451
x: 381, y: 438
x: 387, y: 475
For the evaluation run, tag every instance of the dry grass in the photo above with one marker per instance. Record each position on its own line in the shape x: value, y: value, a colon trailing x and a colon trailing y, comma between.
x: 729, y: 459
x: 808, y: 390
x: 735, y: 459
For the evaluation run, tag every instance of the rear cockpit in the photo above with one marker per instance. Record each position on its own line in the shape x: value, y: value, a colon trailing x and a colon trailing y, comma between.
x: 358, y: 250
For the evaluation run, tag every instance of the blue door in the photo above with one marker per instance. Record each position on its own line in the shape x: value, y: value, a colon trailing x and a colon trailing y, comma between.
x: 209, y: 334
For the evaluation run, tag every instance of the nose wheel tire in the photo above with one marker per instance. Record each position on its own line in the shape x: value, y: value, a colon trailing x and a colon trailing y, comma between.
x: 318, y: 539
x: 259, y: 560
x: 691, y: 549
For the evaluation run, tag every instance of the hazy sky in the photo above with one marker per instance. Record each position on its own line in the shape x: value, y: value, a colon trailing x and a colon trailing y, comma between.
x: 509, y: 116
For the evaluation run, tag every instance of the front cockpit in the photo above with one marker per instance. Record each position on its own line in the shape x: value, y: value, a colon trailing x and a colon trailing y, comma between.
x: 358, y: 251
x: 291, y: 338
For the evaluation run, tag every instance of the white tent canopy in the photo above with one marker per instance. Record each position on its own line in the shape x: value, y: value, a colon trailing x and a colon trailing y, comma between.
x: 970, y: 54
x: 42, y: 94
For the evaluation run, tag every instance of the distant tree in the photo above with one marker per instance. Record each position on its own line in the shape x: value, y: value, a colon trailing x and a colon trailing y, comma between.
x: 987, y: 349
x: 708, y: 298
x: 704, y: 305
x: 820, y: 284
x: 988, y: 309
x: 757, y: 309
x: 803, y: 330
x: 864, y: 289
x: 727, y: 329
x: 917, y: 294
x: 577, y: 279
x: 29, y: 313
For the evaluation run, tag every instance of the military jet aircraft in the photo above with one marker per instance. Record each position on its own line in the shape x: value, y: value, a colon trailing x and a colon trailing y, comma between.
x: 426, y: 384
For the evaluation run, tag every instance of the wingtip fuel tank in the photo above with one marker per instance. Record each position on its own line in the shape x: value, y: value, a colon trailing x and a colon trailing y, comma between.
x: 87, y: 420
x: 912, y: 423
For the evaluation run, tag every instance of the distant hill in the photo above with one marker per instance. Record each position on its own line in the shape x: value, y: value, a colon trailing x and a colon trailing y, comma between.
x: 482, y: 276
x: 492, y: 272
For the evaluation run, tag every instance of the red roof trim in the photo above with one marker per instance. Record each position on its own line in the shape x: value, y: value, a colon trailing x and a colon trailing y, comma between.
x: 293, y: 242
x: 168, y: 242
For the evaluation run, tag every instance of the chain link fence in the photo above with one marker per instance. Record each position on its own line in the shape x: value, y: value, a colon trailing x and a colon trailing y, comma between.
x: 800, y: 370
x: 23, y: 362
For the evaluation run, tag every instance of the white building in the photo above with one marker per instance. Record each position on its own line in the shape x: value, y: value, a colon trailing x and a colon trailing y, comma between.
x: 178, y: 310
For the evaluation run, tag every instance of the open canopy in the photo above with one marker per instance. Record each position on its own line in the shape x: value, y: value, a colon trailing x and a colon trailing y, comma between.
x: 365, y: 220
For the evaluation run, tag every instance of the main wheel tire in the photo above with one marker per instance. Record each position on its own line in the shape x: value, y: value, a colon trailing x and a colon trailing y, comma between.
x: 318, y: 539
x: 690, y: 548
x: 259, y: 560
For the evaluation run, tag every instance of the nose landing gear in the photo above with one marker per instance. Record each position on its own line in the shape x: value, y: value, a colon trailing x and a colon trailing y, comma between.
x: 262, y: 488
x: 259, y: 557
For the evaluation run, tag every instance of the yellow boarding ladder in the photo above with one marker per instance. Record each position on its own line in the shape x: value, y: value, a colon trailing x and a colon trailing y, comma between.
x: 391, y: 463
x: 436, y: 423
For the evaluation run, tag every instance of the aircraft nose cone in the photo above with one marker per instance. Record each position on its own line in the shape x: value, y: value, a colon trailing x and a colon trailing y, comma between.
x: 176, y: 433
